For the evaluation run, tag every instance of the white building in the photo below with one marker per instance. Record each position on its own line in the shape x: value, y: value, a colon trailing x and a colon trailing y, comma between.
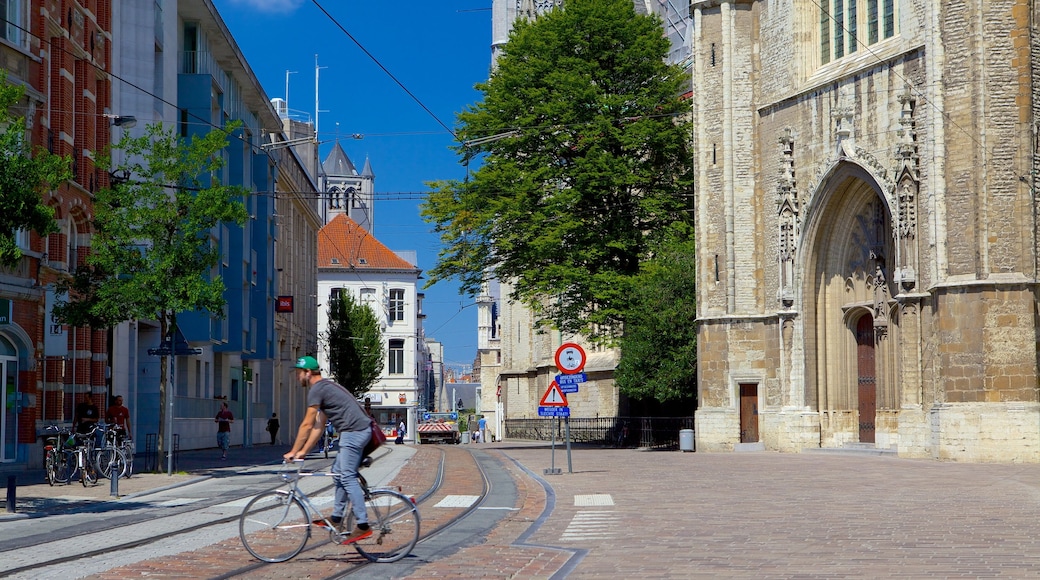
x: 351, y: 259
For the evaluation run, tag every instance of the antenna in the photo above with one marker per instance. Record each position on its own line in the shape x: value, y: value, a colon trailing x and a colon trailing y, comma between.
x: 317, y: 70
x: 287, y: 73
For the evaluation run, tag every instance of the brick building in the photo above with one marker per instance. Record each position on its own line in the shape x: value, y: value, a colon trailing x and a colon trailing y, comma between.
x: 60, y: 52
x: 866, y: 226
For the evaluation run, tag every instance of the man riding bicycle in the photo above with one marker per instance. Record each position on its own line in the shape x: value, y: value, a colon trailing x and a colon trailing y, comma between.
x: 329, y: 398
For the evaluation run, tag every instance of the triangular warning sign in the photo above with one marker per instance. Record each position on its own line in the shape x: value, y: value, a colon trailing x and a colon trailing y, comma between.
x: 553, y: 397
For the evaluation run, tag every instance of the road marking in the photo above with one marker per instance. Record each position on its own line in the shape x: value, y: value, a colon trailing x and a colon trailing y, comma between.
x: 456, y: 501
x: 595, y: 499
x: 591, y: 525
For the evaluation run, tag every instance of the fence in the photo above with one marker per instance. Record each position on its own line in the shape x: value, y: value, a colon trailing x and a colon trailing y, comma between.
x: 643, y: 432
x: 152, y: 462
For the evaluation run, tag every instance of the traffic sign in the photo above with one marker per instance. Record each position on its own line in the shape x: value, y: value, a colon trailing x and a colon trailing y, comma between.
x: 569, y: 388
x: 554, y: 411
x: 553, y: 397
x: 571, y: 379
x: 570, y: 358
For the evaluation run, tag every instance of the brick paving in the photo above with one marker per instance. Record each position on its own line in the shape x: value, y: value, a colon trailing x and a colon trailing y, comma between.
x: 652, y: 514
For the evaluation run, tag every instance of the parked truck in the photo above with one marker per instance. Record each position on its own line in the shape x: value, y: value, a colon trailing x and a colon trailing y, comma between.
x: 439, y: 428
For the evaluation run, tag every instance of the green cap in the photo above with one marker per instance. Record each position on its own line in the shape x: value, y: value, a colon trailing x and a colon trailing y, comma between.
x: 307, y: 363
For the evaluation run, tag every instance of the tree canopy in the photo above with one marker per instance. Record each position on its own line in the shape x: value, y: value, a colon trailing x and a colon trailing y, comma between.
x: 355, y: 344
x: 659, y: 344
x: 26, y: 174
x: 583, y: 141
x: 152, y: 252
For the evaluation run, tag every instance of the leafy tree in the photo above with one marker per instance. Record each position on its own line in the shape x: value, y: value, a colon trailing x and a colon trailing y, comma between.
x: 26, y: 174
x: 151, y: 255
x: 659, y: 344
x: 584, y: 142
x: 355, y: 344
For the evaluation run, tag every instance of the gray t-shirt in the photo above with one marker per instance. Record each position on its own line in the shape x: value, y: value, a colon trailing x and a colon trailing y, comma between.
x: 338, y: 405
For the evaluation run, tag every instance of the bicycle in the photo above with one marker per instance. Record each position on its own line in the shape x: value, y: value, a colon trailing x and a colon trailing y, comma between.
x: 84, y: 453
x: 115, y: 454
x: 275, y: 525
x: 328, y: 439
x: 59, y: 459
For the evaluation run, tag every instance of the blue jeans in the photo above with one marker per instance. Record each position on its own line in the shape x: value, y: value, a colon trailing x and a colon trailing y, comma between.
x: 345, y: 474
x: 224, y: 440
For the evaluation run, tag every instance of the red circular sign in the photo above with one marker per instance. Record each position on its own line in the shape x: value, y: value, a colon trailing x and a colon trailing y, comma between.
x: 570, y: 358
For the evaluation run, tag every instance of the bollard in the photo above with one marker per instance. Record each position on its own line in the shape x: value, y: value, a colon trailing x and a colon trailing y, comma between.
x: 11, y: 486
x: 113, y: 477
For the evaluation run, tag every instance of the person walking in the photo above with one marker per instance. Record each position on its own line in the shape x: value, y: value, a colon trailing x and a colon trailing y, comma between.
x: 401, y: 432
x: 224, y: 419
x: 272, y: 427
x: 328, y: 398
x: 482, y: 427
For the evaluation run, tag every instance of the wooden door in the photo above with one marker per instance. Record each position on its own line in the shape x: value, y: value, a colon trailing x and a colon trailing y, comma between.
x: 866, y: 378
x: 748, y: 413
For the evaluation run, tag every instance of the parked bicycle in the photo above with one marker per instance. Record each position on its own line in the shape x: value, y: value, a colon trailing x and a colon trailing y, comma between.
x: 59, y: 459
x: 276, y: 524
x: 84, y: 456
x: 116, y: 453
x: 328, y: 439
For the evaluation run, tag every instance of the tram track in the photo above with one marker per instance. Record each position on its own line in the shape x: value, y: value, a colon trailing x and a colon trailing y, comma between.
x: 448, y: 478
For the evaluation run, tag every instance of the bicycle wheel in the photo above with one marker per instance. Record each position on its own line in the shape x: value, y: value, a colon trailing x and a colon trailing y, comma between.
x: 88, y: 473
x: 395, y: 524
x: 274, y: 526
x: 128, y: 452
x: 50, y: 463
x: 110, y: 460
x: 65, y: 466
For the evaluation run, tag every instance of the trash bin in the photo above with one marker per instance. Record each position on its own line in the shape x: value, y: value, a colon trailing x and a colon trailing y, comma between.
x: 465, y: 436
x: 686, y: 440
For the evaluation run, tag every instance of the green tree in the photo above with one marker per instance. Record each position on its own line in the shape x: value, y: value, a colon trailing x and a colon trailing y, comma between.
x: 584, y: 144
x: 151, y: 254
x: 659, y: 344
x: 26, y: 174
x: 355, y: 344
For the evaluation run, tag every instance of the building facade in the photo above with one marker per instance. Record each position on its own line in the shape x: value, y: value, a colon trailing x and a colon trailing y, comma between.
x: 866, y: 226
x: 351, y: 259
x: 61, y: 54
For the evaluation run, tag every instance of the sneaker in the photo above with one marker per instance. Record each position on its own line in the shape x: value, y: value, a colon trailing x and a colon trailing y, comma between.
x: 357, y: 534
x: 323, y: 523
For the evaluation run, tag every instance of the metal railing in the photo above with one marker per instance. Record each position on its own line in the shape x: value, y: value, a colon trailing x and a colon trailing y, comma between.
x: 642, y: 432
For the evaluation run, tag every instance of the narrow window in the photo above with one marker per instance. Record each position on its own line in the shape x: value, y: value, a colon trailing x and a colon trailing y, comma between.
x: 872, y: 21
x: 395, y: 357
x: 825, y: 35
x: 396, y: 306
x: 839, y: 28
x: 890, y: 18
x: 851, y: 26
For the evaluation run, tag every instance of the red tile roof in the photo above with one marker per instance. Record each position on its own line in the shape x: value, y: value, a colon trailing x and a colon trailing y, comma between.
x: 352, y: 247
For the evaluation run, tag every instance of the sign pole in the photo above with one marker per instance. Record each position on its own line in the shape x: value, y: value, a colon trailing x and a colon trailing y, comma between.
x: 567, y: 425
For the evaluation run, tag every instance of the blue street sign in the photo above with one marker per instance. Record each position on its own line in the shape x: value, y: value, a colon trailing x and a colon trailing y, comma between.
x: 554, y: 411
x: 568, y: 389
x: 571, y: 379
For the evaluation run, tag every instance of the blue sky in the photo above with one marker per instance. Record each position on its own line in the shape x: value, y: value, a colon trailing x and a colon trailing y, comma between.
x: 437, y: 51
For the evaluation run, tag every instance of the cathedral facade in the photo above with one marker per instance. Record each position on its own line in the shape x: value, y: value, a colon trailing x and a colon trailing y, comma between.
x: 867, y: 226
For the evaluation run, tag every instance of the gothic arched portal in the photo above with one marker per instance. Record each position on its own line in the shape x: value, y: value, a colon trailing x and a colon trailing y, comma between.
x: 848, y: 306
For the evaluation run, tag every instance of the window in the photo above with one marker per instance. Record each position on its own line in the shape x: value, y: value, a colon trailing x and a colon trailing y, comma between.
x: 334, y: 296
x: 395, y: 357
x: 840, y: 34
x: 396, y: 305
x: 11, y: 31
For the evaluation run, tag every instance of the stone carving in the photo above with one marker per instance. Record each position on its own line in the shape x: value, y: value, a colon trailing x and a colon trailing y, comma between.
x: 531, y: 8
x: 787, y: 222
x: 906, y: 189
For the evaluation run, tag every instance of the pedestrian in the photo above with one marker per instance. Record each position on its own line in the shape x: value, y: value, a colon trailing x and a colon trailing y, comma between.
x: 482, y: 427
x: 224, y: 419
x: 327, y: 398
x: 118, y: 419
x: 86, y: 415
x: 401, y: 431
x: 272, y: 427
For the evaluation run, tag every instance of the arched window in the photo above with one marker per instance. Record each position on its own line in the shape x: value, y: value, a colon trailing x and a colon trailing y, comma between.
x: 846, y: 25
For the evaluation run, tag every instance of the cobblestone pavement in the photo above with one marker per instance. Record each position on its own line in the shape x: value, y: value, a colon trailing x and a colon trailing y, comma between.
x: 665, y: 514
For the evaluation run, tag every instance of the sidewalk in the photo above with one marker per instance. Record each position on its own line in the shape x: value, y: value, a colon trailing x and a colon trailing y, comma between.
x: 35, y: 497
